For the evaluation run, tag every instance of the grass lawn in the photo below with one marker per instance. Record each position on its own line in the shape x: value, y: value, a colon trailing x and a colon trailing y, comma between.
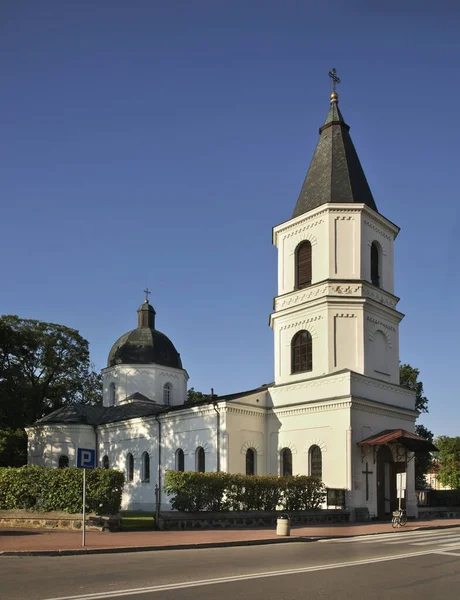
x: 135, y: 521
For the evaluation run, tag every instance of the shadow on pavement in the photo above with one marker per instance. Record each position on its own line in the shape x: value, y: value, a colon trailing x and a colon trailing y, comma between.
x: 6, y: 532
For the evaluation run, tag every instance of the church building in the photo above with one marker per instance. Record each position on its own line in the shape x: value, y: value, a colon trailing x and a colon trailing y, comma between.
x: 335, y: 409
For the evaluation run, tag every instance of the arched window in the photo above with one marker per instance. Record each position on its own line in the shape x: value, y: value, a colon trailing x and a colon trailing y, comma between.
x: 105, y: 462
x: 301, y: 352
x: 167, y: 393
x: 303, y: 265
x: 112, y: 394
x: 286, y: 462
x: 316, y: 462
x: 145, y: 466
x: 250, y: 461
x: 129, y: 467
x: 179, y: 460
x: 199, y: 460
x: 63, y: 461
x: 375, y: 264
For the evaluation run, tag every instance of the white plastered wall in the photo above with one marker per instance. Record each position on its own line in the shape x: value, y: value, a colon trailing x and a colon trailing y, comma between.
x: 47, y: 443
x: 148, y: 380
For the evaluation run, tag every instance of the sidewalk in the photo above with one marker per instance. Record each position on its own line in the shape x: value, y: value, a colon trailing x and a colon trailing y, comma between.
x: 54, y: 542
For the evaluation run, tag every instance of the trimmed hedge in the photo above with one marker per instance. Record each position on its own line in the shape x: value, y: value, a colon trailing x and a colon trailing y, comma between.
x: 45, y: 489
x: 192, y: 492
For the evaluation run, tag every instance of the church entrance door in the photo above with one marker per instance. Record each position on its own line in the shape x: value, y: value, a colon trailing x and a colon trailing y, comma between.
x: 386, y: 483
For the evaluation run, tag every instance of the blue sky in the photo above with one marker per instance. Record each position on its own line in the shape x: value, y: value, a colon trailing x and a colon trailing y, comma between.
x: 149, y: 143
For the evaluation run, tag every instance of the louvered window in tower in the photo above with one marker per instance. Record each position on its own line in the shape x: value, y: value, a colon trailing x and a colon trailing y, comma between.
x: 303, y: 265
x: 375, y: 260
x: 301, y: 352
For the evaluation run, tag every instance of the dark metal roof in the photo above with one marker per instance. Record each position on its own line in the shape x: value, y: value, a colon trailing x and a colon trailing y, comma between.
x: 335, y: 173
x: 144, y: 345
x: 99, y: 415
x: 136, y: 405
x: 411, y: 441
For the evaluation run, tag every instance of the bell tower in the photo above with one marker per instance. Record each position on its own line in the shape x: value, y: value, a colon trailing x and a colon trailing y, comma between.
x: 335, y: 309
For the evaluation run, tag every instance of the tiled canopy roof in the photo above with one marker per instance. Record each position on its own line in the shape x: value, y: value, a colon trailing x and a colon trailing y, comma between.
x: 412, y: 441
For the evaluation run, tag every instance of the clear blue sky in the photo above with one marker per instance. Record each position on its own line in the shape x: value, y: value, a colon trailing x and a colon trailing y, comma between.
x: 147, y: 143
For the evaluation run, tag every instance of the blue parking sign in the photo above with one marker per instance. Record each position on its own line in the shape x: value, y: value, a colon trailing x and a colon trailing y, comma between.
x: 86, y: 458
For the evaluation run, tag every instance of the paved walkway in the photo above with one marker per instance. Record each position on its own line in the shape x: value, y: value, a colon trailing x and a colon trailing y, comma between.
x: 55, y: 541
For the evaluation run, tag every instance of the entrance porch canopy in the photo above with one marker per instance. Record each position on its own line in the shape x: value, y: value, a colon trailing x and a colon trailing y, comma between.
x: 411, y: 441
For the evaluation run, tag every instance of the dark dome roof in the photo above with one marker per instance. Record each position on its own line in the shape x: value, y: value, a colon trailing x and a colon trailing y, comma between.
x: 144, y: 345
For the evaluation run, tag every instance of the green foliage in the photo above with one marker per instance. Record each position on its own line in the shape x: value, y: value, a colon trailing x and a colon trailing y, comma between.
x: 408, y: 377
x: 193, y: 396
x: 423, y: 460
x: 13, y: 447
x: 43, y: 366
x: 45, y: 489
x: 448, y: 457
x: 193, y: 492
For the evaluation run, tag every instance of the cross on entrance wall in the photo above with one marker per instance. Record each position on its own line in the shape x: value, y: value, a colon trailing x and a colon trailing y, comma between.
x: 367, y: 473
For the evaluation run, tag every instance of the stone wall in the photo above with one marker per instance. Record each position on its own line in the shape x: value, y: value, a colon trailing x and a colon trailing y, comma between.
x: 58, y: 520
x: 174, y: 520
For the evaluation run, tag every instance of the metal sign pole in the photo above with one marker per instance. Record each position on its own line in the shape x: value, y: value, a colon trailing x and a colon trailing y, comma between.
x: 84, y: 509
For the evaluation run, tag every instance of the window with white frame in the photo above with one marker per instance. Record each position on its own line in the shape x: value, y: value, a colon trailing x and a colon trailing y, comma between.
x: 167, y: 391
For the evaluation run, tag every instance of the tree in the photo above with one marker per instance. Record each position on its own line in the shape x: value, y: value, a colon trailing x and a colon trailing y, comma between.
x: 193, y: 396
x: 43, y: 366
x: 448, y: 457
x: 408, y: 376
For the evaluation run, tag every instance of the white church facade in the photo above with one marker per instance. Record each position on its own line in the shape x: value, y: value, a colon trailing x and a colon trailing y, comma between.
x: 335, y: 409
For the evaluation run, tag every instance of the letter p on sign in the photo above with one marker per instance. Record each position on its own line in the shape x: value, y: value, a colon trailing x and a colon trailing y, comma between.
x: 86, y: 458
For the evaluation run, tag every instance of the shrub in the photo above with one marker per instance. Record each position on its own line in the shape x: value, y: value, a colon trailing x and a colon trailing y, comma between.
x: 44, y: 489
x: 191, y: 492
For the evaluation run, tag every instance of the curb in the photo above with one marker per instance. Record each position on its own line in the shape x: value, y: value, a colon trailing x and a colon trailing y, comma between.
x: 230, y: 544
x: 123, y: 549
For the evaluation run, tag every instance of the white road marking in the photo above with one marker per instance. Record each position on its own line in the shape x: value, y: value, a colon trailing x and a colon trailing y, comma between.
x: 235, y: 578
x: 438, y: 541
x: 446, y: 553
x: 434, y: 539
x: 395, y: 537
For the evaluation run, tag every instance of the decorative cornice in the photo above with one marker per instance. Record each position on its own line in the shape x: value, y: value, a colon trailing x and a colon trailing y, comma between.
x: 302, y: 323
x: 311, y: 407
x: 361, y: 289
x: 377, y: 229
x: 380, y: 296
x: 378, y: 383
x: 300, y: 226
x: 314, y: 382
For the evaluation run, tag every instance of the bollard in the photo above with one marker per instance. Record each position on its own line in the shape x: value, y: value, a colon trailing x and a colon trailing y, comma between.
x: 283, y: 525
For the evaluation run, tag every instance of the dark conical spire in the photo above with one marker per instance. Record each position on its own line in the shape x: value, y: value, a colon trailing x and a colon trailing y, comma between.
x: 335, y: 173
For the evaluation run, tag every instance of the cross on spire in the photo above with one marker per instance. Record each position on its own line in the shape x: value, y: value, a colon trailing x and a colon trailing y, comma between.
x: 335, y: 79
x: 147, y: 292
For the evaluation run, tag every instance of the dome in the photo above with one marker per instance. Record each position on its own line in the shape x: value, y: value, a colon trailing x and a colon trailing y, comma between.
x: 145, y: 344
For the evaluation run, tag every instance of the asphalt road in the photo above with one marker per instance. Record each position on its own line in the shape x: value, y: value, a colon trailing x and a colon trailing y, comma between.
x: 401, y: 565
